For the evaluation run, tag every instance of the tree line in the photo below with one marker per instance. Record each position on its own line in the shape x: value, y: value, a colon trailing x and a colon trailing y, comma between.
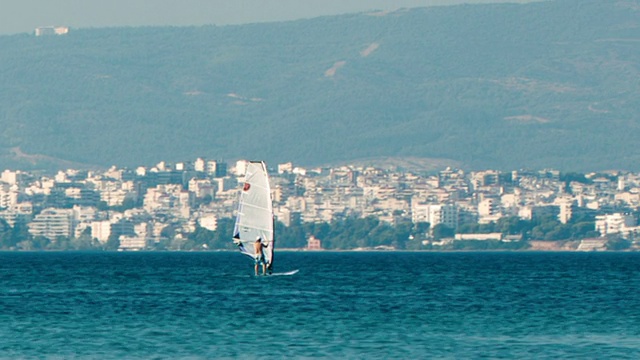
x: 344, y: 234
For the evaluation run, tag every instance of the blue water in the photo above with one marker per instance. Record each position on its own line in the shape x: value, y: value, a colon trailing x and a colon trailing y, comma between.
x: 374, y: 305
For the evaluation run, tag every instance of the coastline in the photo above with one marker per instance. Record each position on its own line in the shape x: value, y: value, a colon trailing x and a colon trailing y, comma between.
x: 534, y: 246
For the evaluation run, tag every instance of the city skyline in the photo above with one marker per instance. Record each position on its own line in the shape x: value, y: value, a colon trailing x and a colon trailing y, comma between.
x: 159, y: 207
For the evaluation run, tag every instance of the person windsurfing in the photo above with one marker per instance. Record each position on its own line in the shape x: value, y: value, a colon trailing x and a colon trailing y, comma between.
x: 259, y: 259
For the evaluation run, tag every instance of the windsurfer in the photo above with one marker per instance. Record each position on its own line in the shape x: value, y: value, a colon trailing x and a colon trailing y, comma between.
x: 258, y: 246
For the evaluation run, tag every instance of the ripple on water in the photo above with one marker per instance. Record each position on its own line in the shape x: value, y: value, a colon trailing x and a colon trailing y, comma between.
x: 340, y: 305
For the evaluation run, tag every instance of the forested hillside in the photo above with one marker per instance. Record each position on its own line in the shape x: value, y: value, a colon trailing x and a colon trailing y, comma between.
x: 549, y: 84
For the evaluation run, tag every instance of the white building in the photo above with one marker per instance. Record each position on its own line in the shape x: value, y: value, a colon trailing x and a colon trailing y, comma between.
x: 614, y: 223
x: 446, y: 214
x: 488, y: 207
x: 241, y: 167
x: 84, y: 213
x: 8, y: 194
x: 185, y: 201
x: 17, y: 211
x: 52, y: 223
x: 566, y: 210
x: 202, y: 188
x: 132, y: 243
x: 163, y: 197
x: 211, y: 167
x: 209, y: 222
x: 592, y: 245
x: 10, y: 177
x: 51, y: 30
x: 479, y: 237
x: 116, y: 197
x: 199, y: 165
x: 225, y: 184
x: 101, y: 230
x: 285, y: 168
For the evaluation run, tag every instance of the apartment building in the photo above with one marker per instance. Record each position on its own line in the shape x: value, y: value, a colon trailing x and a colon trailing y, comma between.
x: 52, y: 223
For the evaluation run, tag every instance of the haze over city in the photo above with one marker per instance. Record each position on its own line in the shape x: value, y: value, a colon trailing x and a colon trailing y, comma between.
x: 25, y: 15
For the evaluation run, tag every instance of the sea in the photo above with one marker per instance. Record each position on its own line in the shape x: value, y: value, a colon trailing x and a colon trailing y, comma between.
x: 339, y: 305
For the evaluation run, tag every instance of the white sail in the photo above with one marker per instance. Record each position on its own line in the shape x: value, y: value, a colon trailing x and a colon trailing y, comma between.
x: 255, y: 213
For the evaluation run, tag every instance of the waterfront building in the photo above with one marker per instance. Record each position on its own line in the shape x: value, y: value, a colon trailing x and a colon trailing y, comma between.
x: 597, y: 244
x: 101, y: 230
x: 52, y: 222
x: 479, y: 237
x: 129, y: 242
x: 434, y: 214
x: 614, y: 223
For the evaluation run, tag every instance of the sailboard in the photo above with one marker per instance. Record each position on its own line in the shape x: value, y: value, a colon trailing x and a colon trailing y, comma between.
x: 255, y: 214
x: 288, y: 273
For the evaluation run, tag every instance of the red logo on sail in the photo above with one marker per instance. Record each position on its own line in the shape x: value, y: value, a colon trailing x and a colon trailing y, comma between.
x: 246, y: 187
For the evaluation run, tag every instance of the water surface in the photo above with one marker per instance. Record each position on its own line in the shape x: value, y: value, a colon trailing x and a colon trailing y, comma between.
x: 74, y: 305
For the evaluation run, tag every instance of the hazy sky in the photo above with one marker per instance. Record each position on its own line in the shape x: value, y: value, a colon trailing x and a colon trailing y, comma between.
x: 19, y: 16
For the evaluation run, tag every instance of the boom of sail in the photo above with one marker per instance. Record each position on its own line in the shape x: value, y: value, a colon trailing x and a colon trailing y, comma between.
x: 255, y: 213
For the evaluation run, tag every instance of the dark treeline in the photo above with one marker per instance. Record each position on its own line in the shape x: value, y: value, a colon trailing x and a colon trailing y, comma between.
x: 544, y: 228
x: 346, y: 234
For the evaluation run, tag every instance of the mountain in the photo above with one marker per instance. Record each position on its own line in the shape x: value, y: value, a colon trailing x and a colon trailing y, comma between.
x: 506, y: 86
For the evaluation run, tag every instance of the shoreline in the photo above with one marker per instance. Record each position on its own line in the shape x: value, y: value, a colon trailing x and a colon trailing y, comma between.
x: 362, y: 250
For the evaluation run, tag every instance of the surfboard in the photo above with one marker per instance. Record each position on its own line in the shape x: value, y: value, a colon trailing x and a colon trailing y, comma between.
x: 288, y: 273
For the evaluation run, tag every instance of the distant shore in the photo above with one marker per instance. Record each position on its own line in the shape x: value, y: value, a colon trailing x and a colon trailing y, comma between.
x: 535, y: 246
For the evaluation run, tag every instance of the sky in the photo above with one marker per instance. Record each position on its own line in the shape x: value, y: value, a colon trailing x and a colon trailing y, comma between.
x: 20, y: 16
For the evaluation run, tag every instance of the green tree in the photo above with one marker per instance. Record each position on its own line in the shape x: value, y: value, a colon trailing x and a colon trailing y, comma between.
x: 222, y: 237
x: 422, y: 227
x: 20, y: 233
x: 512, y: 225
x: 113, y: 242
x: 102, y: 206
x: 318, y: 230
x: 582, y: 230
x: 441, y: 231
x: 168, y: 232
x: 200, y: 238
x: 162, y: 244
x: 127, y: 203
x: 7, y: 240
x: 401, y: 233
x: 60, y: 243
x: 293, y: 236
x: 36, y: 243
x: 85, y: 241
x: 617, y: 243
x: 544, y: 226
